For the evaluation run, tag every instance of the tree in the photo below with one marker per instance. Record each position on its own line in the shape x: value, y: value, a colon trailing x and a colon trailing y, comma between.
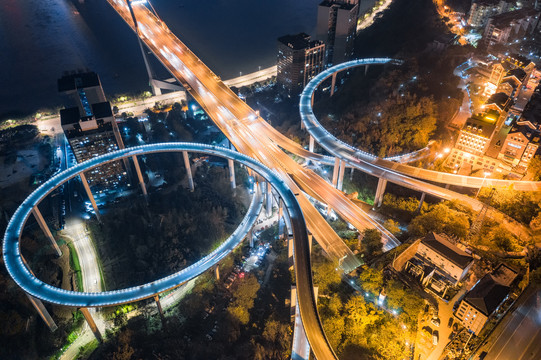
x: 371, y: 280
x: 392, y: 226
x: 440, y: 219
x: 371, y: 243
x: 535, y: 168
x: 326, y: 274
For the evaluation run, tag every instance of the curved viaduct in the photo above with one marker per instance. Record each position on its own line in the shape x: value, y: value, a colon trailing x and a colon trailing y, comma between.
x: 20, y: 273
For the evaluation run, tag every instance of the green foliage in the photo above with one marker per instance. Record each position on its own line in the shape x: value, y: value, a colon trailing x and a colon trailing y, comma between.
x: 535, y: 168
x: 371, y: 243
x: 523, y: 206
x: 371, y: 280
x: 503, y: 239
x: 243, y: 299
x: 403, y: 208
x: 75, y: 266
x: 392, y: 226
x: 326, y: 274
x: 441, y: 219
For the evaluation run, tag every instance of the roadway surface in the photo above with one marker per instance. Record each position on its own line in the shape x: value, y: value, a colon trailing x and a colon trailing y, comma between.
x: 239, y: 123
x: 520, y: 336
x: 35, y: 287
x: 397, y: 173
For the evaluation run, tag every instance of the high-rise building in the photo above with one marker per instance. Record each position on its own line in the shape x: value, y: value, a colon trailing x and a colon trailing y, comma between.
x: 336, y: 27
x: 91, y: 130
x: 299, y: 60
x: 481, y: 10
x: 508, y: 27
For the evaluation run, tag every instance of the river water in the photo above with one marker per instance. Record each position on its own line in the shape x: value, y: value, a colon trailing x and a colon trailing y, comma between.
x: 41, y: 39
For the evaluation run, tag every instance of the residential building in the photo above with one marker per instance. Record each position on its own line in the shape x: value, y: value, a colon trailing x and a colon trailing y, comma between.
x: 485, y: 298
x: 481, y: 11
x: 520, y: 146
x: 91, y: 130
x: 299, y: 60
x: 336, y: 27
x: 508, y: 27
x: 446, y: 256
x: 473, y: 142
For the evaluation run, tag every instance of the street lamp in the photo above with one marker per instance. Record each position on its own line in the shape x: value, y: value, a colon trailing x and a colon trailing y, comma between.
x: 482, y: 182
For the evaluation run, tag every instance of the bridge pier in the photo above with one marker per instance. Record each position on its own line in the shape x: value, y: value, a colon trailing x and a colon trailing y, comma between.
x: 269, y: 199
x: 333, y: 83
x: 231, y: 166
x: 251, y: 237
x: 188, y: 170
x: 46, y: 230
x: 365, y: 70
x: 351, y: 174
x: 421, y: 202
x: 160, y: 310
x: 139, y: 175
x: 91, y: 324
x: 89, y: 194
x: 43, y: 313
x: 217, y: 272
x: 335, y: 171
x: 311, y: 144
x: 380, y: 191
x: 341, y: 174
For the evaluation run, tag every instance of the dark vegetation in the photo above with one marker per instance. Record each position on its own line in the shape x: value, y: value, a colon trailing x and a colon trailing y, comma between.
x: 353, y: 322
x: 250, y: 320
x: 175, y: 229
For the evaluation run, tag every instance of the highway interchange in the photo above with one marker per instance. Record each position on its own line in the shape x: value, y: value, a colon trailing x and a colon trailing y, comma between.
x: 253, y: 138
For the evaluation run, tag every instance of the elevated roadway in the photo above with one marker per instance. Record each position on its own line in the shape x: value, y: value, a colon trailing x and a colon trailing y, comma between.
x: 18, y: 270
x: 237, y: 120
x: 395, y: 172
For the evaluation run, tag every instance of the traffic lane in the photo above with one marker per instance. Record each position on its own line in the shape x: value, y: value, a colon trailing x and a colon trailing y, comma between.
x: 524, y: 322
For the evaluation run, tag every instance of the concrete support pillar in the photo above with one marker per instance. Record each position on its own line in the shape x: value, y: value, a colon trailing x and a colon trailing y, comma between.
x: 380, y: 191
x: 351, y: 174
x: 46, y: 230
x: 290, y: 250
x: 329, y: 209
x: 269, y: 199
x: 251, y: 237
x: 333, y: 83
x: 280, y: 209
x: 91, y: 323
x: 160, y: 310
x: 43, y: 313
x: 89, y: 194
x: 310, y: 238
x: 139, y: 175
x: 421, y: 202
x: 217, y: 272
x: 312, y: 98
x: 188, y: 170
x: 311, y: 144
x: 365, y: 70
x: 447, y: 186
x: 231, y: 166
x: 341, y: 175
x: 335, y: 171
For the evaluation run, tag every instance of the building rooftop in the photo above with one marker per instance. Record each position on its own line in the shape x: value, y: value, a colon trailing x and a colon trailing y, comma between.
x: 480, y: 125
x: 487, y: 294
x: 505, y: 274
x: 78, y: 81
x: 69, y: 116
x: 505, y: 19
x: 342, y: 5
x: 299, y: 42
x: 500, y: 100
x: 447, y: 249
x: 497, y: 141
x: 102, y: 110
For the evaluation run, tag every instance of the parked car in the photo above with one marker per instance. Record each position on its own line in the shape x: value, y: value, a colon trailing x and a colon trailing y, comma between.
x: 450, y: 323
x: 435, y: 337
x: 435, y: 322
